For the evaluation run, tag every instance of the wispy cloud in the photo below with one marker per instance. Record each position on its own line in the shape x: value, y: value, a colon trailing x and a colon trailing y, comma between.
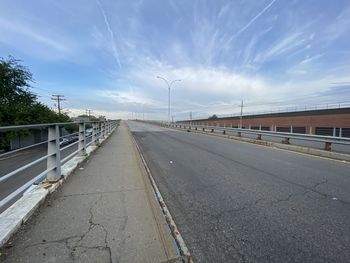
x: 107, y: 54
x: 24, y: 33
x: 244, y: 28
x: 111, y: 33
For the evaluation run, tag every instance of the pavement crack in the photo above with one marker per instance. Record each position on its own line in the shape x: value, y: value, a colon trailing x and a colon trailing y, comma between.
x: 103, y: 192
x: 283, y: 199
x: 94, y: 224
x: 73, y: 242
x: 320, y: 183
x: 257, y: 169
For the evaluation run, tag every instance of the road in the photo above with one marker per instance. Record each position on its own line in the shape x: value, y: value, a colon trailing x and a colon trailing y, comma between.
x: 14, y: 161
x: 241, y: 202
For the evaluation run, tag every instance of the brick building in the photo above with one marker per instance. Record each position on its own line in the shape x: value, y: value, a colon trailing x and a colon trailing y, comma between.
x: 332, y: 122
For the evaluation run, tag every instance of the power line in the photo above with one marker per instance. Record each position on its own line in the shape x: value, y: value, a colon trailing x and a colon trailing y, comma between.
x: 58, y: 98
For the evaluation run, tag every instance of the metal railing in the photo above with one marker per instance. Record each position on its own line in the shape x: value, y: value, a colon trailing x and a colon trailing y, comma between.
x: 98, y: 131
x: 328, y: 141
x: 276, y: 110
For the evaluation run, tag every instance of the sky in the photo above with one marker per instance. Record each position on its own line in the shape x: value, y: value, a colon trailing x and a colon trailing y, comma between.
x: 105, y: 55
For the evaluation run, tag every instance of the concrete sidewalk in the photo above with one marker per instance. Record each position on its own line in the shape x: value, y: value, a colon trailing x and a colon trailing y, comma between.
x: 105, y: 212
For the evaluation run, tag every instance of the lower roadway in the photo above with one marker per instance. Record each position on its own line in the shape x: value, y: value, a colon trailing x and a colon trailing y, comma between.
x: 241, y: 202
x: 18, y: 159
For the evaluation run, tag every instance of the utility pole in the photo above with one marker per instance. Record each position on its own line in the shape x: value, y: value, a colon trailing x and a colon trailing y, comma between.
x: 241, y: 119
x: 58, y: 98
x: 191, y: 118
x: 89, y: 113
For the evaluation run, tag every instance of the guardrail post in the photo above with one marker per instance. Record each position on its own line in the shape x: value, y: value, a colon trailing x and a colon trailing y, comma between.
x: 203, y: 129
x: 106, y: 129
x: 99, y: 130
x: 285, y: 141
x: 103, y: 129
x: 224, y: 132
x: 259, y: 137
x: 82, y: 139
x: 95, y: 138
x: 212, y: 130
x: 328, y: 146
x: 53, y: 147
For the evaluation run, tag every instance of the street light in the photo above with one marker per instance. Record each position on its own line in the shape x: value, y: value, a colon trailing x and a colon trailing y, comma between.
x: 169, y: 86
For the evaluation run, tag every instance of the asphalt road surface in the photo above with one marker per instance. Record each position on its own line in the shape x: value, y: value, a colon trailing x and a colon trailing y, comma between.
x: 14, y: 161
x: 241, y: 202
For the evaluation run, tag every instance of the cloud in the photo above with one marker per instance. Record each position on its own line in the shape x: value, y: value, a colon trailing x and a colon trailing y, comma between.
x: 24, y: 33
x: 114, y: 47
x: 244, y: 28
x: 224, y: 51
x: 127, y: 97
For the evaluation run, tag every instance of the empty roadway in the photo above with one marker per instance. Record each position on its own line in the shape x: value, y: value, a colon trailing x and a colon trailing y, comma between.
x: 13, y: 161
x: 241, y: 202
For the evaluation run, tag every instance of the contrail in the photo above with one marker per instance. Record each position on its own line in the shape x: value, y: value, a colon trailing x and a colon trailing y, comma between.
x: 115, y: 51
x: 254, y: 18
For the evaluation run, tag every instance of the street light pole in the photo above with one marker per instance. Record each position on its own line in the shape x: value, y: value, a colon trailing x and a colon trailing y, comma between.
x: 169, y: 86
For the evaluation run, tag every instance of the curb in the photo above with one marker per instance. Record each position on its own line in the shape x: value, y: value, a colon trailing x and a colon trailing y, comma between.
x: 185, y: 253
x: 19, y: 212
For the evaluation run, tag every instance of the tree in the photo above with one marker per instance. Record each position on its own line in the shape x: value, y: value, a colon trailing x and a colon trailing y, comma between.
x: 88, y: 117
x: 18, y: 105
x: 213, y: 117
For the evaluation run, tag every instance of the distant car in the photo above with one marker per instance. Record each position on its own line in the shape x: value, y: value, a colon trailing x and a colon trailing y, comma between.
x: 88, y: 132
x: 74, y: 138
x: 64, y: 142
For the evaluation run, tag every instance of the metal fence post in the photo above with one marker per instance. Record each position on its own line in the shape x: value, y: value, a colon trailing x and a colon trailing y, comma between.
x: 53, y: 147
x: 99, y: 131
x: 95, y: 138
x: 102, y: 129
x: 286, y: 141
x: 328, y: 146
x: 82, y: 139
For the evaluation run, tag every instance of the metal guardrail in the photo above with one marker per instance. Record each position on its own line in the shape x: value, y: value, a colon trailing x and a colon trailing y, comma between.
x: 280, y: 109
x: 286, y: 136
x: 100, y: 130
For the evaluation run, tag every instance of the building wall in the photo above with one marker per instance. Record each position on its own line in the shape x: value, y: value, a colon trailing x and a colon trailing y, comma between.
x: 34, y: 136
x: 300, y: 121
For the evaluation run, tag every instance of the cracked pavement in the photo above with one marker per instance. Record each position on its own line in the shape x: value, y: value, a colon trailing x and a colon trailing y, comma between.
x: 241, y: 202
x: 104, y: 212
